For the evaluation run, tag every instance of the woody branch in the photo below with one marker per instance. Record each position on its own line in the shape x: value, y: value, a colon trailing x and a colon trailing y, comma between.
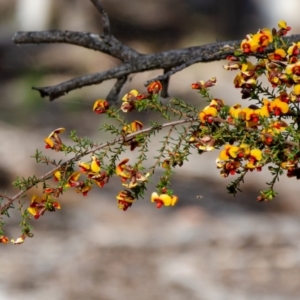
x: 170, y: 62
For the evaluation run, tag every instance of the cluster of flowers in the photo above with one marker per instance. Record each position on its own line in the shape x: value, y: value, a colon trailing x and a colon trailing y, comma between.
x: 282, y: 70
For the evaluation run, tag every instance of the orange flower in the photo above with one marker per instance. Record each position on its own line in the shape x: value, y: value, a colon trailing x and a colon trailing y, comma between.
x: 4, y: 239
x: 263, y: 37
x: 154, y: 87
x: 163, y: 199
x: 100, y: 106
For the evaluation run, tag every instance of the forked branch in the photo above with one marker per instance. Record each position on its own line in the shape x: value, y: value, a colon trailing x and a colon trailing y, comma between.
x: 171, y: 61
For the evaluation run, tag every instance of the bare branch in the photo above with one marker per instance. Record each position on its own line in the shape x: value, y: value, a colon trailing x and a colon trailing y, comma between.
x: 84, y: 39
x: 104, y: 15
x: 61, y: 89
x: 115, y: 91
x: 132, y: 62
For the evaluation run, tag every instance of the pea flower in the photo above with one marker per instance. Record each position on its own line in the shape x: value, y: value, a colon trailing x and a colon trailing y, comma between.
x: 19, y: 240
x: 200, y: 85
x: 38, y: 206
x: 53, y: 141
x: 100, y: 106
x: 125, y: 199
x: 4, y: 239
x: 130, y: 98
x: 279, y: 107
x: 93, y: 167
x: 254, y: 158
x: 208, y: 114
x: 154, y: 87
x: 230, y: 152
x: 100, y: 179
x: 123, y: 170
x: 126, y: 172
x: 163, y: 199
x: 283, y: 28
x: 131, y: 128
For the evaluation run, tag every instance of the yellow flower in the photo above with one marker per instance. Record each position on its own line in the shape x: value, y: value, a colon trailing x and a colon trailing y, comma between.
x: 163, y: 199
x: 132, y: 127
x: 53, y: 141
x: 282, y: 25
x: 256, y: 154
x: 297, y: 89
x: 263, y: 37
x: 235, y: 112
x: 38, y: 205
x: 244, y: 150
x: 279, y: 107
x: 57, y: 175
x: 207, y: 114
x: 95, y: 165
x: 84, y: 167
x: 249, y: 44
x: 253, y: 159
x: 293, y: 50
x: 130, y: 96
x: 73, y: 180
x: 229, y: 152
x: 278, y: 54
x: 100, y: 106
x: 293, y: 69
x: 122, y: 170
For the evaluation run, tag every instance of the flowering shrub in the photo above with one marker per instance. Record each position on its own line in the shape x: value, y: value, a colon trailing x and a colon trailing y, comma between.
x: 246, y: 136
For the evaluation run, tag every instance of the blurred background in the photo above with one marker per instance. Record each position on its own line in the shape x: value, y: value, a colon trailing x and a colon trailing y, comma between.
x: 209, y: 247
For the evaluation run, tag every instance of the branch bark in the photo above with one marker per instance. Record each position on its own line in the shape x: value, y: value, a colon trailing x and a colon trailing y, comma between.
x: 171, y: 61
